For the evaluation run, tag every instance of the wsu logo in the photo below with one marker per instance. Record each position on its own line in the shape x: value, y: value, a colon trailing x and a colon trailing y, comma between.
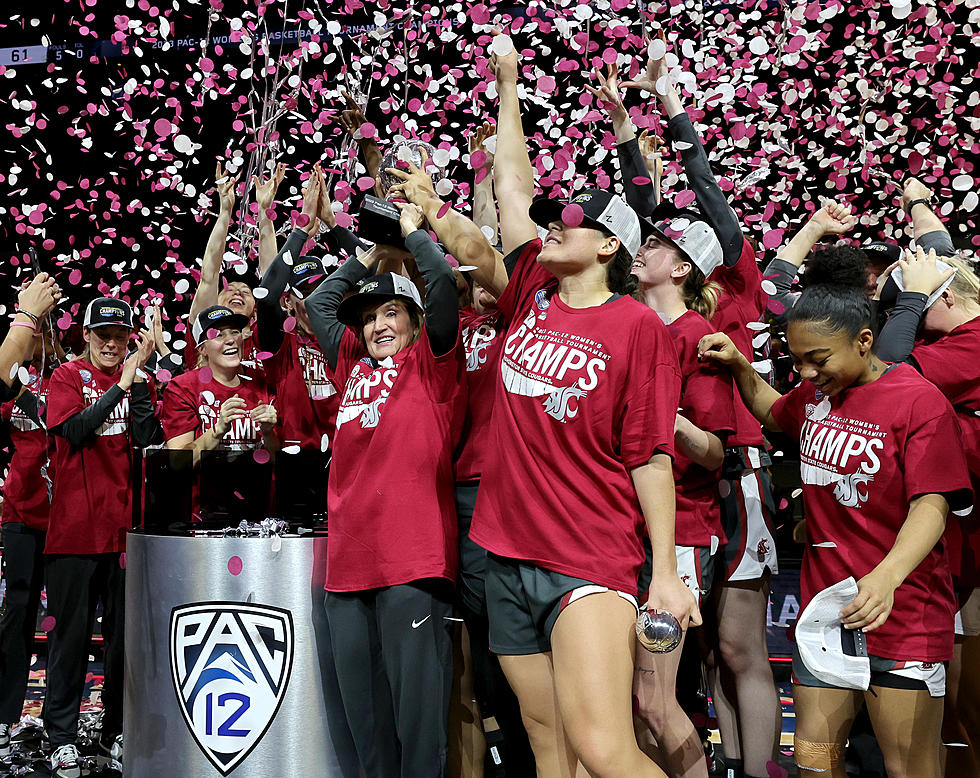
x: 230, y: 663
x: 558, y: 403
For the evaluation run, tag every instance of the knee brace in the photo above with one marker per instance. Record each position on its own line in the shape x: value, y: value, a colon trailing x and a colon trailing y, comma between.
x: 816, y: 758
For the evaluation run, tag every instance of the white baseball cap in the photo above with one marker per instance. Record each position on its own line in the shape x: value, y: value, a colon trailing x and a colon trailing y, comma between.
x: 825, y: 645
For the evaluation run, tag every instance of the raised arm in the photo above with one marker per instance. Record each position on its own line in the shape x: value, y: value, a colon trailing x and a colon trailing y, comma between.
x: 207, y: 290
x: 265, y: 199
x: 637, y: 183
x: 513, y: 176
x: 927, y: 228
x: 276, y: 278
x: 441, y: 309
x: 481, y: 160
x: 459, y: 235
x: 834, y: 218
x: 353, y: 119
x: 322, y: 304
x: 920, y: 277
x: 711, y: 200
x: 757, y: 395
x: 34, y: 302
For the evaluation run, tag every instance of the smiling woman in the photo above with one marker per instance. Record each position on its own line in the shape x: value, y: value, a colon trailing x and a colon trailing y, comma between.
x: 881, y: 464
x: 100, y: 407
x: 391, y: 561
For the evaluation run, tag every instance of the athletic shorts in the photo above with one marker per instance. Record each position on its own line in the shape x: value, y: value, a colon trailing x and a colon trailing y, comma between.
x: 695, y: 567
x: 524, y: 602
x: 887, y: 673
x: 747, y: 508
x: 471, y: 576
x: 967, y: 620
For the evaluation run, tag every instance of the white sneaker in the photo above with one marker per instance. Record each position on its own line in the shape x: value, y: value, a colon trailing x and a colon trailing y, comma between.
x: 4, y: 739
x: 113, y: 749
x: 64, y: 761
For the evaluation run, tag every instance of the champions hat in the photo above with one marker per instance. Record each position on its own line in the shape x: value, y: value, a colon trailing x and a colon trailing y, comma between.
x: 601, y: 210
x: 305, y: 273
x: 375, y: 291
x: 215, y: 318
x: 835, y: 655
x: 103, y: 311
x: 693, y: 238
x: 882, y: 253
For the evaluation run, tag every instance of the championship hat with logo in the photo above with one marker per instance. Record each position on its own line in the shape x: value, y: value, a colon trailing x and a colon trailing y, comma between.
x: 601, y: 210
x: 694, y: 238
x: 882, y: 253
x: 373, y: 293
x: 305, y: 274
x: 103, y: 311
x: 211, y: 321
x: 834, y: 654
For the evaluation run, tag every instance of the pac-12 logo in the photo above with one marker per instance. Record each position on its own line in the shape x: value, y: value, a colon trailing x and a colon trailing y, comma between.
x: 230, y: 663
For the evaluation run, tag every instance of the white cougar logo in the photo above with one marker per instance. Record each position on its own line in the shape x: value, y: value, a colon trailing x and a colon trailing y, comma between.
x: 557, y: 404
x: 371, y: 414
x: 849, y: 492
x: 477, y: 356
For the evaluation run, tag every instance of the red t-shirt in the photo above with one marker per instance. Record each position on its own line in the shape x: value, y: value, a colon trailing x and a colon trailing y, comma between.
x: 585, y: 396
x: 951, y: 364
x: 880, y: 446
x: 192, y: 403
x: 92, y: 506
x: 742, y: 302
x: 25, y: 492
x: 252, y: 365
x: 707, y: 401
x: 306, y: 392
x: 482, y: 339
x: 391, y: 495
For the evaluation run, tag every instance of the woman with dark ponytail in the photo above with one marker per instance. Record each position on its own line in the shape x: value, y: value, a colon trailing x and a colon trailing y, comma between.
x: 583, y: 436
x: 881, y: 465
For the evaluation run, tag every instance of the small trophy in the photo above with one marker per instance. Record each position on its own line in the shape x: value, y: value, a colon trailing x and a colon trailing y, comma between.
x: 658, y: 631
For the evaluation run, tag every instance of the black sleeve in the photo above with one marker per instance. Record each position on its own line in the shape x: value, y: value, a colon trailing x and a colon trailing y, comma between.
x: 641, y: 197
x: 9, y: 392
x: 897, y: 338
x: 322, y: 305
x: 441, y: 302
x: 146, y: 429
x: 172, y: 363
x: 27, y: 402
x: 340, y: 238
x: 269, y: 314
x: 711, y: 200
x: 782, y: 274
x: 78, y: 428
x: 938, y: 240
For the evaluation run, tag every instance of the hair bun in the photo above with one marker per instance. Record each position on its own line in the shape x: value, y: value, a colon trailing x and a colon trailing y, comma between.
x: 843, y: 266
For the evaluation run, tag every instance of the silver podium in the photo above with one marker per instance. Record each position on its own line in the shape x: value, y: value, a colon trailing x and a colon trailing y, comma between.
x: 225, y: 640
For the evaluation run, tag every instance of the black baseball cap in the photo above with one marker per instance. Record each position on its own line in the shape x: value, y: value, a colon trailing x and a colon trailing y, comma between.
x: 104, y: 311
x: 216, y: 317
x: 602, y: 210
x: 882, y: 253
x: 306, y: 272
x: 375, y: 291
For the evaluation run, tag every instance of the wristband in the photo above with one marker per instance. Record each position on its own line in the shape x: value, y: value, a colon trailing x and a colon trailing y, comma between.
x: 32, y: 327
x: 30, y: 316
x: 927, y: 201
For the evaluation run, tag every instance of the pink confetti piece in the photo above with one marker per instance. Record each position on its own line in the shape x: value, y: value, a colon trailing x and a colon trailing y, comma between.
x: 572, y: 215
x: 47, y: 624
x: 261, y: 456
x: 235, y: 565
